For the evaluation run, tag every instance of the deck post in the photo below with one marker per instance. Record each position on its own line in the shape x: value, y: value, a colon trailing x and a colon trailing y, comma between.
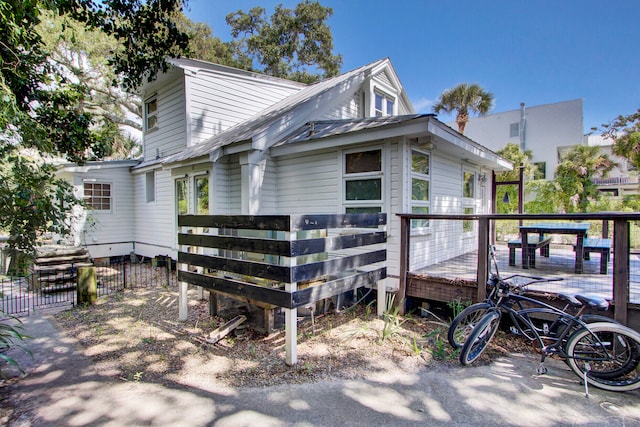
x: 483, y: 259
x: 621, y: 272
x: 405, y: 237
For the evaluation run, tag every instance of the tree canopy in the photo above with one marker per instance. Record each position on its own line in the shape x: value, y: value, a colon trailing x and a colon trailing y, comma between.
x: 289, y: 45
x: 42, y: 114
x: 574, y: 176
x: 625, y: 131
x: 465, y: 99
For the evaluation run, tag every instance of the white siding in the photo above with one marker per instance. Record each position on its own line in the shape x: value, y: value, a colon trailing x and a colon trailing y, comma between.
x: 155, y: 221
x: 227, y: 183
x: 350, y: 109
x: 105, y: 232
x: 396, y: 198
x: 218, y: 102
x: 169, y: 137
x: 308, y: 184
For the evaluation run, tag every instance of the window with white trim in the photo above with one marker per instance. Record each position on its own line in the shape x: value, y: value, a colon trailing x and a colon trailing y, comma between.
x: 468, y: 199
x: 384, y: 104
x: 362, y: 181
x: 150, y: 113
x: 97, y: 196
x: 202, y: 195
x: 182, y: 196
x: 150, y: 187
x: 420, y: 191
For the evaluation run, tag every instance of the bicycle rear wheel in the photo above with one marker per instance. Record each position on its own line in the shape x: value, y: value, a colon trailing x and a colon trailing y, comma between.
x: 608, y: 353
x: 464, y: 323
x: 480, y: 337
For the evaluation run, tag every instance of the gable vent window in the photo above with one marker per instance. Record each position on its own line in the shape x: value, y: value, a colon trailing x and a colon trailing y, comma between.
x: 151, y: 114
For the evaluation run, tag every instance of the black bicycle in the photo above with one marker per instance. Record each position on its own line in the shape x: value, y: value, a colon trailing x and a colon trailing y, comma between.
x: 467, y: 319
x: 604, y: 354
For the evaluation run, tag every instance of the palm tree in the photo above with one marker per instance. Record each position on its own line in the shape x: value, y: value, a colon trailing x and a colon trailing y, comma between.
x: 464, y: 99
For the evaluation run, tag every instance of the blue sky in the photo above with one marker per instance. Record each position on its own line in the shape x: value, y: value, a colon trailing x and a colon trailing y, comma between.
x: 536, y: 52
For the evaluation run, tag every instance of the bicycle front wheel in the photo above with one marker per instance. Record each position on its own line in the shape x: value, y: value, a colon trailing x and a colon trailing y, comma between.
x: 465, y: 322
x: 480, y: 337
x: 608, y: 355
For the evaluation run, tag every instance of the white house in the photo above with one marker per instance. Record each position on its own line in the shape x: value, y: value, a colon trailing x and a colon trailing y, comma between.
x: 543, y: 129
x: 219, y: 140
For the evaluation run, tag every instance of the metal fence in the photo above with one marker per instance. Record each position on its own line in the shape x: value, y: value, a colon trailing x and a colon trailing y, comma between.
x: 20, y: 296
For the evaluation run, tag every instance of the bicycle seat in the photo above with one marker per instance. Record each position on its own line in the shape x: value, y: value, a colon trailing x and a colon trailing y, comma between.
x: 593, y: 301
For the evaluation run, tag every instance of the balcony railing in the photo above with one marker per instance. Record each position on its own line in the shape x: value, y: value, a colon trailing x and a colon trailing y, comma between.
x: 445, y: 269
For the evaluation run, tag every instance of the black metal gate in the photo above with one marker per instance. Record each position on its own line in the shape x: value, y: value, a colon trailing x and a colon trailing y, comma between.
x: 20, y: 296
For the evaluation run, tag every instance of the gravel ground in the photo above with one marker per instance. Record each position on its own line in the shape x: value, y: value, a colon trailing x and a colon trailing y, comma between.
x: 135, y: 336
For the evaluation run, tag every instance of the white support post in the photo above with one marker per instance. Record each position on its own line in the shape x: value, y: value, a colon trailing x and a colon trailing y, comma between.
x: 291, y: 320
x: 382, y: 297
x: 382, y: 291
x: 183, y: 302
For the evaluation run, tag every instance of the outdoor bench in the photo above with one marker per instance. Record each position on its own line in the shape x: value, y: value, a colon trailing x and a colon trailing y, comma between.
x: 602, y: 246
x: 534, y: 242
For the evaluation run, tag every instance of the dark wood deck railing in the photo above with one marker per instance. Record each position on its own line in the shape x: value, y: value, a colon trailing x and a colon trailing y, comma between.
x: 623, y: 311
x: 286, y: 261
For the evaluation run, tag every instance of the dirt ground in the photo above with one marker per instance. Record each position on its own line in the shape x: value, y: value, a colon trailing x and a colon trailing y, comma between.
x: 135, y: 336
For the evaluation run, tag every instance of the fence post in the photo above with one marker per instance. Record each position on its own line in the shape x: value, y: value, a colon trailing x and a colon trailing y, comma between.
x: 124, y: 274
x: 87, y: 288
x: 621, y: 245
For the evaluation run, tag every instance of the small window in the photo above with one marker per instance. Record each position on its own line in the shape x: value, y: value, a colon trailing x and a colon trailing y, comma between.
x: 420, y: 194
x: 383, y: 105
x: 468, y: 185
x: 363, y: 182
x: 468, y: 224
x: 97, y: 196
x: 202, y: 195
x: 182, y: 196
x: 151, y: 186
x: 514, y: 130
x: 540, y: 171
x: 151, y: 113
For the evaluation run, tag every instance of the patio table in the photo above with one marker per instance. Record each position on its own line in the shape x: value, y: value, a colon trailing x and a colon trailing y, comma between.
x: 580, y: 229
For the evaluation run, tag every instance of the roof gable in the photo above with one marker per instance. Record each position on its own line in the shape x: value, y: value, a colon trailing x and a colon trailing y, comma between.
x: 270, y: 125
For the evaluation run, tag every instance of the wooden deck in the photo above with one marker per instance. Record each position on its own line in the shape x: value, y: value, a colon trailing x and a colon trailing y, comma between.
x: 460, y: 272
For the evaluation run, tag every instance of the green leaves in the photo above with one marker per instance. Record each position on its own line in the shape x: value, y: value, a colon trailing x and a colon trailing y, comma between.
x: 465, y: 99
x: 293, y: 44
x: 44, y: 115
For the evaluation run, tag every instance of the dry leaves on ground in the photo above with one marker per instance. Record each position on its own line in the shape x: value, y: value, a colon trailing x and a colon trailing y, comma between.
x: 135, y: 336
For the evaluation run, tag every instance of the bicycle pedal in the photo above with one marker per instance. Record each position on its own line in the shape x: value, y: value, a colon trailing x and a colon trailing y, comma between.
x: 514, y: 330
x: 541, y: 369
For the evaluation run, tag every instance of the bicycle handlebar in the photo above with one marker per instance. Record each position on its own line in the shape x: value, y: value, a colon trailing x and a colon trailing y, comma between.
x: 535, y: 279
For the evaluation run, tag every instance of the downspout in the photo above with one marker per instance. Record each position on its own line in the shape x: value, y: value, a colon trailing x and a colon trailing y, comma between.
x: 523, y: 127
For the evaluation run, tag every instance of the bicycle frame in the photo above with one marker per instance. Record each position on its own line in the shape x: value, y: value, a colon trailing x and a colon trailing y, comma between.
x: 522, y: 321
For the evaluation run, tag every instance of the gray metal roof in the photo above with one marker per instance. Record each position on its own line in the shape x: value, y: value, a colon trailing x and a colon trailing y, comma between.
x: 262, y: 121
x: 326, y: 128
